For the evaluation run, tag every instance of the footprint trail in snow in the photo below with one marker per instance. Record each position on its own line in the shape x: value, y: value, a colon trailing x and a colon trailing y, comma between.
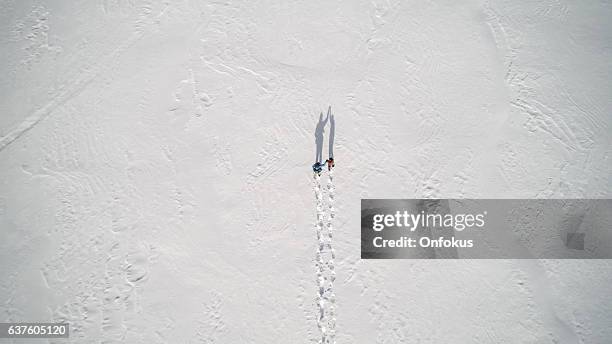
x: 326, y: 298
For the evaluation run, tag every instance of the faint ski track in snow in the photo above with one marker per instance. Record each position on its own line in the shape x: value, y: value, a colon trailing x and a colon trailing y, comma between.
x: 123, y: 218
x: 73, y: 89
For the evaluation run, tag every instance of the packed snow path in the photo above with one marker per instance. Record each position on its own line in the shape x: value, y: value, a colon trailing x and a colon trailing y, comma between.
x: 326, y: 275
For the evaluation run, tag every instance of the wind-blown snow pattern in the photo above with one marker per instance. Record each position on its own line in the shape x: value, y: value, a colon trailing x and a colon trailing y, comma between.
x: 324, y: 261
x: 152, y: 150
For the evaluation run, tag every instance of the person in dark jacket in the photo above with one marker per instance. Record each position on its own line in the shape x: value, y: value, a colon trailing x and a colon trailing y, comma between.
x: 317, y: 168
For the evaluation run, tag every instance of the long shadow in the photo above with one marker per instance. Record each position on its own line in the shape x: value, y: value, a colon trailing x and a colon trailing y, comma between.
x: 319, y: 136
x: 332, y: 132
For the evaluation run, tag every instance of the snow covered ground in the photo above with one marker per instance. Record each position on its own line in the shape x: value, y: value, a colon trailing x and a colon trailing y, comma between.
x: 155, y: 182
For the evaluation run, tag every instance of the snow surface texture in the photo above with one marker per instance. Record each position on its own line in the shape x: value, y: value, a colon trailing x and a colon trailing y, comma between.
x: 155, y: 180
x: 325, y: 256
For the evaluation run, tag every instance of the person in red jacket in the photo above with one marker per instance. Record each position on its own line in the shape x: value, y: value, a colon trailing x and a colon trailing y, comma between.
x: 330, y: 163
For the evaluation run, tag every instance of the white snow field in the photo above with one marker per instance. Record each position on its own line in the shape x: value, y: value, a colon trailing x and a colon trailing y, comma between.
x: 155, y: 164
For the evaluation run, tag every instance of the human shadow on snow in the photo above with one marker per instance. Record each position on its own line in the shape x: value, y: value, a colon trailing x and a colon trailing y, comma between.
x: 320, y: 130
